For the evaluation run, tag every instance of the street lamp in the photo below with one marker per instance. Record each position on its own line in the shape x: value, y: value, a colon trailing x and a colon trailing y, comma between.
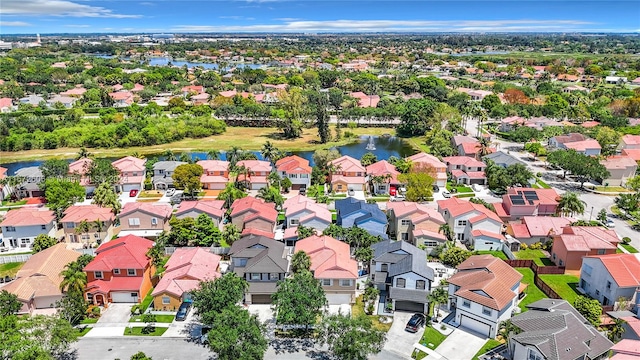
x: 591, y: 214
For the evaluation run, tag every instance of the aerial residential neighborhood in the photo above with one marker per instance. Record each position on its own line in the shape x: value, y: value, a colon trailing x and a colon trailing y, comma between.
x: 304, y: 187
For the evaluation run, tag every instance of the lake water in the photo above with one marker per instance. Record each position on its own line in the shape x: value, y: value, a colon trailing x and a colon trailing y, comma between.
x: 165, y: 61
x: 385, y: 148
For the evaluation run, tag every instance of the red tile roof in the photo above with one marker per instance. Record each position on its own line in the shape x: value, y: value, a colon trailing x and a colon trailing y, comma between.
x: 583, y: 145
x: 457, y: 207
x: 129, y: 163
x: 117, y: 283
x: 617, y: 162
x: 632, y: 153
x: 330, y: 258
x: 160, y: 210
x: 381, y: 168
x: 463, y: 160
x: 631, y: 139
x: 586, y: 238
x: 78, y: 213
x: 293, y: 165
x: 210, y: 166
x: 627, y: 347
x: 256, y: 165
x: 348, y: 164
x: 211, y: 207
x: 122, y: 253
x: 185, y: 269
x: 27, y: 216
x: 624, y: 268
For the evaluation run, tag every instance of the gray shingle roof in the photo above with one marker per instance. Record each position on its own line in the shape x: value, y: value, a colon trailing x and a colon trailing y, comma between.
x: 414, y: 261
x: 269, y: 259
x: 502, y: 159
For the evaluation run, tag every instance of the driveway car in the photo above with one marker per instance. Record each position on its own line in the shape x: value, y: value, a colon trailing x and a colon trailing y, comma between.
x: 170, y: 192
x: 133, y: 193
x: 446, y: 194
x: 415, y: 323
x: 351, y: 192
x: 610, y: 224
x: 398, y: 198
x: 303, y: 191
x: 183, y: 311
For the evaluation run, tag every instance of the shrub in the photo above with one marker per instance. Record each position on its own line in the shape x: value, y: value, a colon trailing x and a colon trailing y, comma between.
x: 626, y: 240
x: 148, y: 329
x: 95, y: 311
x: 523, y: 246
x: 135, y: 309
x: 148, y: 318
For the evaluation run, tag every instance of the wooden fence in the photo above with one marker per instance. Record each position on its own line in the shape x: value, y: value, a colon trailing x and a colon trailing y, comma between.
x: 537, y: 269
x: 546, y: 289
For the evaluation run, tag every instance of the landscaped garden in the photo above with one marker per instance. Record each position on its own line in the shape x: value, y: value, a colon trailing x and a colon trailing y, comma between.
x: 564, y: 285
x: 158, y: 318
x: 457, y: 188
x: 139, y: 331
x: 490, y: 344
x: 536, y: 255
x: 629, y: 248
x: 357, y: 309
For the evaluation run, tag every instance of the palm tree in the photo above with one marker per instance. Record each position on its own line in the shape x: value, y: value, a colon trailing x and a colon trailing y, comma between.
x: 438, y: 297
x: 616, y: 330
x: 83, y: 153
x: 233, y: 156
x: 445, y: 230
x: 274, y: 179
x: 73, y: 279
x: 83, y: 228
x: 300, y: 262
x: 99, y: 225
x: 268, y: 150
x: 506, y: 329
x: 184, y: 157
x: 169, y: 155
x: 485, y: 147
x: 213, y: 155
x: 570, y: 204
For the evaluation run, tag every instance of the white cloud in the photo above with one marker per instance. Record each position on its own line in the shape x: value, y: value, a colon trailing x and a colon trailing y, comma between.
x: 14, y: 23
x: 77, y: 25
x: 58, y: 8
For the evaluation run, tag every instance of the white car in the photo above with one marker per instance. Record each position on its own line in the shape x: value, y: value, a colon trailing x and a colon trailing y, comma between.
x: 610, y: 224
x: 170, y: 192
x: 446, y: 194
x: 398, y: 198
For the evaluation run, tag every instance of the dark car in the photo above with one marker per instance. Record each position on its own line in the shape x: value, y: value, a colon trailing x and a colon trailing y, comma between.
x: 183, y: 311
x: 415, y: 323
x: 133, y: 193
x: 303, y: 191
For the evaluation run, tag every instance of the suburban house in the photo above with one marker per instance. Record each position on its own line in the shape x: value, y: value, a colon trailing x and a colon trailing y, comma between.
x: 626, y: 349
x: 557, y: 141
x: 33, y: 100
x: 296, y: 169
x: 577, y: 142
x: 630, y: 142
x: 37, y: 283
x: 144, y: 219
x: 162, y: 172
x: 6, y: 105
x: 423, y: 160
x: 521, y: 202
x: 250, y: 212
x: 607, y: 278
x: 354, y: 212
x: 576, y: 242
x: 346, y: 173
x: 416, y: 223
x: 383, y: 178
x: 400, y: 271
x: 79, y: 169
x: 121, y: 271
x: 216, y: 174
x: 621, y: 168
x: 466, y: 170
x: 193, y: 209
x: 502, y: 159
x: 301, y: 210
x: 121, y: 98
x: 483, y: 293
x: 533, y: 229
x: 186, y: 268
x: 30, y: 187
x: 258, y: 172
x: 131, y: 170
x: 468, y: 221
x: 365, y: 100
x: 66, y: 101
x: 21, y: 226
x: 467, y: 146
x: 99, y: 220
x: 262, y: 262
x: 331, y: 263
x: 553, y: 329
x: 511, y: 123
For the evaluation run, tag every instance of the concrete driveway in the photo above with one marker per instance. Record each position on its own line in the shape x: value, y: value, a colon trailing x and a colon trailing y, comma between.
x: 116, y: 313
x: 188, y: 328
x: 459, y: 345
x: 400, y: 341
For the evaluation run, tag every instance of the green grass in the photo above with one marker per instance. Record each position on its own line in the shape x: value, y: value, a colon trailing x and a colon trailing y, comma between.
x: 83, y: 330
x: 159, y: 319
x: 466, y: 195
x: 14, y: 203
x: 455, y: 188
x: 10, y: 269
x: 536, y: 255
x: 611, y: 189
x: 357, y: 309
x: 629, y: 248
x: 146, y: 301
x: 498, y: 254
x: 489, y: 345
x: 89, y: 321
x: 431, y: 338
x: 533, y: 293
x: 564, y: 285
x: 542, y: 184
x: 281, y: 217
x: 137, y: 331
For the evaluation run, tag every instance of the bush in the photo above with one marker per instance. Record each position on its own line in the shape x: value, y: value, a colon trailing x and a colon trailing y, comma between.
x: 95, y: 311
x: 523, y: 246
x: 148, y: 329
x: 626, y: 240
x: 148, y: 318
x: 135, y: 309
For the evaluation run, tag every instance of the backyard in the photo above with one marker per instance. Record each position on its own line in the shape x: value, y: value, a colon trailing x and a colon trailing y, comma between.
x: 10, y: 269
x: 536, y: 255
x: 498, y: 254
x: 532, y: 292
x: 564, y: 285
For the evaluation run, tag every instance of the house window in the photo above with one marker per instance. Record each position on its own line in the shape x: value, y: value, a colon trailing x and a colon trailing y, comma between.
x: 486, y: 311
x: 154, y: 221
x: 462, y: 222
x: 339, y: 186
x: 326, y: 282
x: 255, y: 276
x: 116, y: 271
x: 73, y: 238
x: 586, y: 269
x: 10, y: 228
x: 608, y: 285
x: 241, y: 262
x: 43, y: 227
x: 466, y: 303
x: 420, y: 284
x: 405, y: 222
x: 384, y: 267
x: 401, y: 283
x: 345, y: 282
x: 274, y: 276
x: 96, y: 235
x: 166, y: 300
x: 405, y: 236
x: 533, y: 356
x: 131, y: 272
x: 97, y: 274
x: 460, y: 236
x: 304, y: 176
x: 430, y: 243
x: 134, y: 221
x: 597, y: 292
x: 600, y: 251
x: 294, y: 222
x: 160, y: 172
x: 70, y: 225
x: 359, y: 174
x: 85, y: 237
x: 293, y: 176
x: 134, y: 294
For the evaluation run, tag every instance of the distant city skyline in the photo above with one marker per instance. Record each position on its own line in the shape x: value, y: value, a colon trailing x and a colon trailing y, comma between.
x: 311, y: 16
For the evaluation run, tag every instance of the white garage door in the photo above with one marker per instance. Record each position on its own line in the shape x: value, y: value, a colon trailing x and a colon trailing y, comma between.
x: 475, y: 325
x: 129, y: 187
x: 338, y: 299
x: 124, y: 297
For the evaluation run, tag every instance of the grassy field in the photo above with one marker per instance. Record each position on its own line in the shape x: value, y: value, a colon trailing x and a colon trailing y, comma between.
x: 431, y: 338
x: 357, y: 309
x: 629, y: 248
x: 248, y: 138
x: 10, y: 269
x: 536, y: 255
x: 498, y: 254
x: 490, y: 344
x: 137, y: 331
x: 533, y: 293
x: 159, y: 319
x: 564, y: 285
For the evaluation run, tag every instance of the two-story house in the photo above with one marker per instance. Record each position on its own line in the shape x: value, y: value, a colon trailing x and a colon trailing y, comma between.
x: 186, y: 268
x: 483, y: 293
x: 193, y: 209
x: 21, y: 226
x: 416, y: 223
x: 30, y: 187
x: 346, y: 173
x: 575, y: 242
x: 331, y: 263
x: 608, y: 278
x: 253, y: 213
x: 296, y: 169
x: 466, y: 170
x: 551, y: 329
x: 216, y: 174
x: 258, y: 170
x: 621, y: 168
x: 79, y: 169
x: 468, y: 220
x: 382, y: 178
x: 99, y: 221
x: 300, y: 210
x: 354, y: 212
x: 577, y: 142
x: 400, y: 271
x: 5, y: 189
x: 144, y: 219
x: 162, y: 174
x: 262, y: 262
x: 423, y: 160
x: 521, y: 202
x: 121, y: 271
x: 132, y: 173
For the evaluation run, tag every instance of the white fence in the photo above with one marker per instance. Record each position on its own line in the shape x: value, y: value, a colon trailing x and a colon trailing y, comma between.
x: 169, y: 250
x: 14, y: 258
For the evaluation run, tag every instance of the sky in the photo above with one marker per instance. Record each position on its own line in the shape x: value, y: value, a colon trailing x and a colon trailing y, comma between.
x: 316, y: 16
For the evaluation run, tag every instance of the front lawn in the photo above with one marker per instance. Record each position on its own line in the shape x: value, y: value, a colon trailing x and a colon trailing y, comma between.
x: 89, y: 321
x: 564, y: 285
x: 159, y: 318
x: 137, y: 331
x: 146, y: 302
x: 14, y: 203
x: 629, y: 248
x: 150, y: 194
x: 489, y: 345
x: 532, y: 292
x: 498, y: 254
x: 83, y: 330
x: 357, y: 309
x: 456, y: 188
x: 10, y: 269
x: 536, y: 255
x: 432, y: 338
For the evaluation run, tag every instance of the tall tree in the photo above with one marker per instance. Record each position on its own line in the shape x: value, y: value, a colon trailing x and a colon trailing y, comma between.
x: 213, y: 296
x: 42, y: 242
x: 304, y: 232
x: 416, y: 118
x: 231, y: 234
x: 35, y: 337
x: 608, y: 139
x: 9, y: 303
x: 61, y: 194
x: 322, y: 117
x: 589, y: 308
x: 104, y: 196
x: 100, y: 171
x: 300, y: 261
x: 368, y: 159
x: 54, y: 168
x: 187, y: 177
x: 351, y: 338
x: 570, y: 204
x: 213, y: 154
x: 83, y: 154
x: 419, y: 182
x: 438, y: 297
x: 268, y: 151
x: 74, y: 280
x: 299, y: 300
x: 230, y: 194
x: 292, y: 103
x: 237, y: 335
x: 616, y: 330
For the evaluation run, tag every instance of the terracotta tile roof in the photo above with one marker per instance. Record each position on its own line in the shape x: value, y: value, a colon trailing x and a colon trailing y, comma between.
x: 348, y: 179
x: 78, y: 213
x: 573, y: 137
x: 251, y: 231
x: 318, y: 211
x: 583, y: 145
x: 627, y: 347
x: 457, y: 207
x: 490, y: 234
x: 27, y: 216
x: 631, y: 139
x: 193, y: 88
x: 624, y: 268
x: 348, y: 164
x: 427, y: 159
x: 486, y: 280
x: 256, y: 205
x: 185, y: 269
x: 381, y: 168
x: 632, y: 153
x: 6, y: 102
x: 212, y: 208
x: 617, y: 162
x: 330, y: 258
x: 40, y: 275
x: 463, y: 160
x: 545, y: 226
x: 293, y: 165
x: 117, y: 283
x: 210, y: 166
x: 122, y: 253
x: 298, y: 199
x: 80, y: 166
x: 129, y: 163
x: 160, y: 210
x: 365, y: 100
x: 256, y: 165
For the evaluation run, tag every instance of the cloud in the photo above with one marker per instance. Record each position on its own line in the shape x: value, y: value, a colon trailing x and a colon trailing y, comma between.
x: 396, y: 26
x: 287, y: 19
x: 14, y: 23
x: 58, y: 8
x: 77, y: 25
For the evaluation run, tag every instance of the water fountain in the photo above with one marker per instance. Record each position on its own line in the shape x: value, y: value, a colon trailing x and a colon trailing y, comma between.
x: 371, y: 146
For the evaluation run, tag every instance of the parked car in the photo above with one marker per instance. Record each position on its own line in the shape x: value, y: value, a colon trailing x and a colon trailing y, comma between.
x: 183, y: 311
x: 436, y: 188
x: 303, y: 191
x: 170, y: 192
x: 398, y: 197
x: 610, y: 224
x: 204, y: 338
x: 133, y: 193
x: 89, y: 196
x: 351, y: 192
x: 176, y: 199
x: 415, y: 323
x: 446, y: 194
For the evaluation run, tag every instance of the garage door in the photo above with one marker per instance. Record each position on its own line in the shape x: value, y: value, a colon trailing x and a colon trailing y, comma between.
x: 129, y: 187
x: 475, y: 325
x: 476, y: 181
x: 124, y: 297
x: 410, y: 306
x: 261, y: 299
x: 338, y: 299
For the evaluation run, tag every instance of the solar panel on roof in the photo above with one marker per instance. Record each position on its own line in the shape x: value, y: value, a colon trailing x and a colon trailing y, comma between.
x: 517, y: 199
